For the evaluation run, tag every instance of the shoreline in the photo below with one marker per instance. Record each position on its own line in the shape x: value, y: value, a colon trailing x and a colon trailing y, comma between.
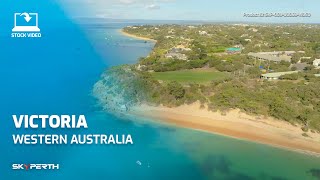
x: 136, y: 37
x: 235, y: 124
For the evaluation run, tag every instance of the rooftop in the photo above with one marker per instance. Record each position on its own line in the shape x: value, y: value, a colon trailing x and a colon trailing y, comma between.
x: 300, y: 66
x: 278, y: 74
x: 317, y: 60
x: 270, y: 57
x: 233, y: 49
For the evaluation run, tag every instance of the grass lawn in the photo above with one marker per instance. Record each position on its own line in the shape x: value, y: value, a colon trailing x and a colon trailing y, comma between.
x: 200, y: 76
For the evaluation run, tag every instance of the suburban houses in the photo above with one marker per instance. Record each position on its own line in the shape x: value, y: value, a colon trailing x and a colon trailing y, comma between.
x: 231, y: 49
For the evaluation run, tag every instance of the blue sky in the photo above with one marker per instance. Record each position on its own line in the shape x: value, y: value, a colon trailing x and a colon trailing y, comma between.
x: 213, y: 10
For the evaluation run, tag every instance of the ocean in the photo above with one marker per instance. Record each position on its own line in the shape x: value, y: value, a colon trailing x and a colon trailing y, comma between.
x: 55, y: 75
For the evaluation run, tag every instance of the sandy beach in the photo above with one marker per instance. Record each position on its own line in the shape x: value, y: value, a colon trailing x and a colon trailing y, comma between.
x: 235, y: 124
x: 136, y: 37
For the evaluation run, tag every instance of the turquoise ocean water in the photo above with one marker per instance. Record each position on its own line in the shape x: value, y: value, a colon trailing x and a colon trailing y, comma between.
x: 55, y: 75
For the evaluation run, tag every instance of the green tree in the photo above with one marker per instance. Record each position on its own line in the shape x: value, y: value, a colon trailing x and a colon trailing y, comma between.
x: 295, y: 58
x: 254, y: 72
x: 176, y: 89
x: 294, y: 76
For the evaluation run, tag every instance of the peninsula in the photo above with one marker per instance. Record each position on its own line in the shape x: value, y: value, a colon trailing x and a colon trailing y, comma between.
x: 255, y: 82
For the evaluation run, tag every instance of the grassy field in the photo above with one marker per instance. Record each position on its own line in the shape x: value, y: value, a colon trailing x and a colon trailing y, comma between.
x: 200, y: 76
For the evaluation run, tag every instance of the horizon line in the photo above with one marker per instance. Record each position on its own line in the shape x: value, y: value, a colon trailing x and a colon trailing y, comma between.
x: 194, y: 21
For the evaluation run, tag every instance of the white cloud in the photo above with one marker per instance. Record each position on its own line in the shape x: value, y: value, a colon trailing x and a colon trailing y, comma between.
x: 153, y: 7
x: 126, y: 1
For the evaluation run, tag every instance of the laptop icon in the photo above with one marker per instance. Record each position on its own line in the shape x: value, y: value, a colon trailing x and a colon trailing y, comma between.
x: 26, y: 22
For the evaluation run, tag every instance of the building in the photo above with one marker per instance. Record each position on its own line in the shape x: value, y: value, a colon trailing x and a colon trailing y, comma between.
x: 233, y: 50
x: 253, y: 29
x: 305, y: 58
x: 169, y: 37
x: 181, y: 48
x: 276, y: 75
x: 279, y: 53
x: 203, y: 33
x: 316, y: 63
x: 275, y: 56
x: 269, y: 57
x: 177, y: 53
x: 178, y: 56
x: 299, y: 66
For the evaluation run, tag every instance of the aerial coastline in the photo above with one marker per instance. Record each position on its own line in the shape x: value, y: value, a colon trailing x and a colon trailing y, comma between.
x: 234, y: 123
x: 135, y: 36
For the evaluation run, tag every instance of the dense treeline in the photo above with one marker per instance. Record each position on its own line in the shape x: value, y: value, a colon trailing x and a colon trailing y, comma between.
x: 293, y: 102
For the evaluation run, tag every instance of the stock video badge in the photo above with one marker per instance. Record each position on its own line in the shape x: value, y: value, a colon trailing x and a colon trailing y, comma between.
x: 26, y: 22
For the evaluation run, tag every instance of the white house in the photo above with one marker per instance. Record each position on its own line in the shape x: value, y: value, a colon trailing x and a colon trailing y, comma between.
x: 316, y: 63
x: 203, y: 33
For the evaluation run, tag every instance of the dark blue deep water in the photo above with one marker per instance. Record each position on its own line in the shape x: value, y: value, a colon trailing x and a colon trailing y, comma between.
x: 55, y: 75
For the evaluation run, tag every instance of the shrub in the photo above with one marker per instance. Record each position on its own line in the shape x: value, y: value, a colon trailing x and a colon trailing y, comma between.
x: 305, y: 128
x: 176, y: 89
x: 293, y: 76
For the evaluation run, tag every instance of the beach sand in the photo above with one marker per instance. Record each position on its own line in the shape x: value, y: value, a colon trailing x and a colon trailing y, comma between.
x: 136, y: 37
x: 235, y: 124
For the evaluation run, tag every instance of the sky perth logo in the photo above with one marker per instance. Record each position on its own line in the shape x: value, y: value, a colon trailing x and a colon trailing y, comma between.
x: 26, y: 25
x: 29, y: 167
